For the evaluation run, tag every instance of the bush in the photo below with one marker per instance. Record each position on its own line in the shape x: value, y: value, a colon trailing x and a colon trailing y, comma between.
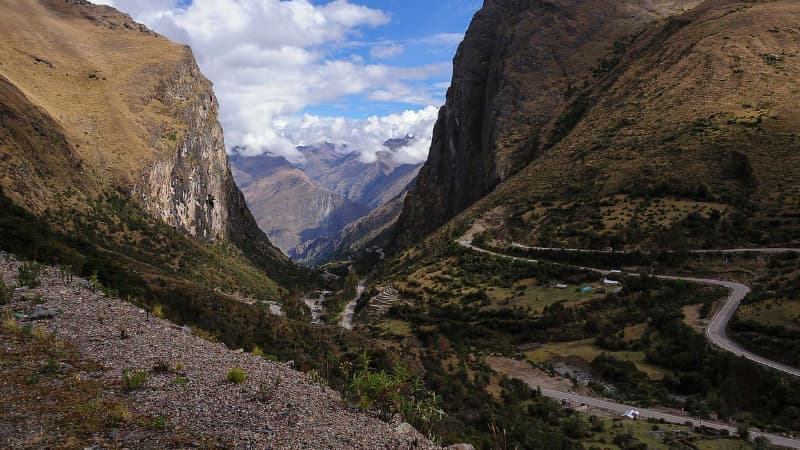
x: 39, y: 332
x: 267, y: 390
x: 28, y: 274
x: 158, y: 311
x: 133, y: 381
x: 6, y: 294
x: 10, y: 324
x: 235, y: 375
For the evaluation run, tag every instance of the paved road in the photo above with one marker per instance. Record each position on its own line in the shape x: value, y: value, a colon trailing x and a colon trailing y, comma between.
x: 717, y: 329
x: 716, y: 333
x: 620, y: 409
x: 773, y: 250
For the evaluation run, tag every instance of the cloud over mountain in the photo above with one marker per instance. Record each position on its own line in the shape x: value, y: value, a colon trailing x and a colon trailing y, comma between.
x: 270, y: 60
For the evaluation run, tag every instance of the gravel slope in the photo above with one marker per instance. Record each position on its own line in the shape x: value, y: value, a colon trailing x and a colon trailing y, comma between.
x: 300, y: 415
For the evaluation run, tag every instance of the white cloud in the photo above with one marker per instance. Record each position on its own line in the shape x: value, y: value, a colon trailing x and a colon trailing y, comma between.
x: 365, y: 136
x: 271, y: 59
x: 386, y: 51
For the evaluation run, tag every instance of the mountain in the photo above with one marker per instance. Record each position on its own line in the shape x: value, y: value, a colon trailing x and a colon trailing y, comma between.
x: 519, y: 67
x: 112, y: 161
x: 371, y: 231
x: 290, y: 206
x: 611, y: 167
x: 311, y: 207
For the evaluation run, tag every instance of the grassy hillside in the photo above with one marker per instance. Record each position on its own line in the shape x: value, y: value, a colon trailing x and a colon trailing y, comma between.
x: 685, y: 136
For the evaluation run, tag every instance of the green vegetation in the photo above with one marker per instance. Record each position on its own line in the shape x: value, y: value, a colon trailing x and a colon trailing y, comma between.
x: 132, y: 381
x: 235, y: 375
x: 6, y: 293
x: 268, y: 390
x: 28, y: 274
x: 769, y: 320
x: 634, y: 343
x: 158, y: 311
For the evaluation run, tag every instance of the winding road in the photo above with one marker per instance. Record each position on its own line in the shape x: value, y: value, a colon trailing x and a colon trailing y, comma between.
x: 350, y: 309
x: 716, y: 334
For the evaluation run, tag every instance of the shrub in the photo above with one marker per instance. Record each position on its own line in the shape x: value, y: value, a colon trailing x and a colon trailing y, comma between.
x: 50, y: 367
x: 28, y: 274
x: 158, y: 311
x: 39, y: 332
x: 10, y: 324
x: 159, y: 423
x: 258, y: 351
x: 161, y: 367
x: 180, y: 381
x: 133, y: 381
x: 6, y: 294
x: 267, y: 390
x: 235, y: 375
x: 121, y: 413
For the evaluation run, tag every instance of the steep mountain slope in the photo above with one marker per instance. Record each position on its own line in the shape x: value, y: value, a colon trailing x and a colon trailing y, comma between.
x: 689, y: 140
x: 372, y: 230
x: 311, y: 207
x: 290, y: 206
x: 520, y: 63
x: 110, y: 138
x: 371, y: 184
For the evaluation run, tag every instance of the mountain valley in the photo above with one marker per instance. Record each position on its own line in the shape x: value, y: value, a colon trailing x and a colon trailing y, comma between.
x: 313, y: 209
x: 601, y: 251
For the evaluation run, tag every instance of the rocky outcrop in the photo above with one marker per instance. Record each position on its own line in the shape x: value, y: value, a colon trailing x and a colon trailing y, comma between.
x: 519, y: 65
x: 189, y: 186
x: 372, y: 231
x: 132, y: 136
x: 682, y: 136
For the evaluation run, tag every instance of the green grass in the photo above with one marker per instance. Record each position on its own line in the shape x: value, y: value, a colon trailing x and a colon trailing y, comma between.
x: 526, y: 294
x: 587, y: 351
x: 778, y: 312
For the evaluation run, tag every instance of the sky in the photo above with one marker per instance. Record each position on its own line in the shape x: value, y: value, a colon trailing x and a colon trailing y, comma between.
x: 289, y: 73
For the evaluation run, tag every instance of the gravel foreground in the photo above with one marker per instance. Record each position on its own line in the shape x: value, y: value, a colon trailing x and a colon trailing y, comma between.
x: 300, y: 414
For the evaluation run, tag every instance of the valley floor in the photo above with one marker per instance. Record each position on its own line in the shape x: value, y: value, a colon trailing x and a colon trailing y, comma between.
x: 716, y: 333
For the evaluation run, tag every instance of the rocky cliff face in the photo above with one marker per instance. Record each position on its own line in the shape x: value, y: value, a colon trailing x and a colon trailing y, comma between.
x: 520, y: 63
x: 189, y: 186
x: 131, y: 129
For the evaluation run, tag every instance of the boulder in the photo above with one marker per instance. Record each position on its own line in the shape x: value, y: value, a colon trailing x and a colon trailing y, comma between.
x: 43, y: 312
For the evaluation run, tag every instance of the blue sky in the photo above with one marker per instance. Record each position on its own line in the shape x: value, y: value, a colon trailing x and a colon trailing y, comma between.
x: 302, y: 72
x: 427, y: 32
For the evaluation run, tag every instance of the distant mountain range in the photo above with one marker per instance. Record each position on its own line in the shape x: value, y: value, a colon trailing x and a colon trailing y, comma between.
x: 307, y: 208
